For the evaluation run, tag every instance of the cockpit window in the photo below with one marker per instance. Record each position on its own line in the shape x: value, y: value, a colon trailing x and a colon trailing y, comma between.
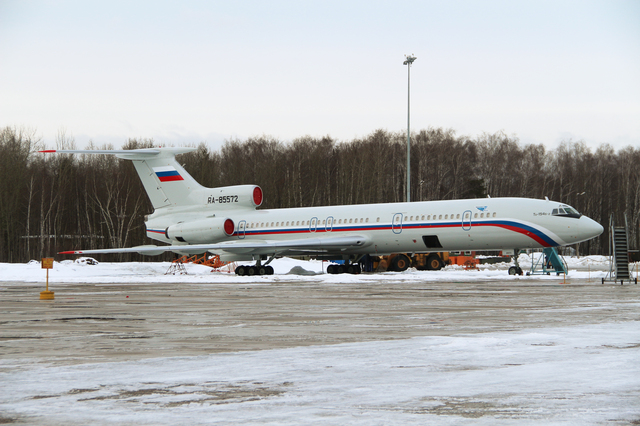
x: 566, y: 211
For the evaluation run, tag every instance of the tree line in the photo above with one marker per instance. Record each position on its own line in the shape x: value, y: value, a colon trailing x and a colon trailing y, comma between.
x: 51, y: 203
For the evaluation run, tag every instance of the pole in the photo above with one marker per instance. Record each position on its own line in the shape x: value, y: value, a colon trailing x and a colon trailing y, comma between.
x: 409, y: 133
x: 409, y: 60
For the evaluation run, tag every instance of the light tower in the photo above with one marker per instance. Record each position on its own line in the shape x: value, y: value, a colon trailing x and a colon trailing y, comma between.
x: 408, y: 61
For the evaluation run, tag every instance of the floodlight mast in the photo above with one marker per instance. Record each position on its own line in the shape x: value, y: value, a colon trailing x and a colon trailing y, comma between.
x: 408, y: 61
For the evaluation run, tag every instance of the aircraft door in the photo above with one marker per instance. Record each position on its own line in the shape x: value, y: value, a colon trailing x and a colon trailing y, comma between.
x: 396, y: 223
x: 313, y: 224
x: 329, y: 226
x: 242, y: 226
x: 466, y: 220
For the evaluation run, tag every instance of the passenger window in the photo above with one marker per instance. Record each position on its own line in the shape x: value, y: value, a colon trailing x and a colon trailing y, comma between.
x: 446, y: 216
x: 458, y: 216
x: 475, y: 215
x: 377, y: 219
x: 440, y: 217
x: 422, y: 217
x: 481, y: 215
x: 367, y: 220
x: 350, y: 220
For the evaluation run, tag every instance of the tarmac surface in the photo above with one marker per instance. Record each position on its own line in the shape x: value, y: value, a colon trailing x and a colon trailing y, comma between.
x: 89, y: 323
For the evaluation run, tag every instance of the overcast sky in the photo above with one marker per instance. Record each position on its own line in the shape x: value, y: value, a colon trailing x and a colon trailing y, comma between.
x: 186, y: 72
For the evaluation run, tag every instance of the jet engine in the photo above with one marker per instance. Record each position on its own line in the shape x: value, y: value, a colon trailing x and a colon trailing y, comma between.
x: 202, y: 231
x: 233, y: 197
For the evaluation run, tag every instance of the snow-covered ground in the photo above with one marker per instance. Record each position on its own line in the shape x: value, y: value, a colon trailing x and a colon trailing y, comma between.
x: 583, y: 375
x: 79, y: 271
x: 587, y: 374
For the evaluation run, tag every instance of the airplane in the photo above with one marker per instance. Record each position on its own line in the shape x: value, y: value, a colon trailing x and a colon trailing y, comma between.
x: 226, y: 221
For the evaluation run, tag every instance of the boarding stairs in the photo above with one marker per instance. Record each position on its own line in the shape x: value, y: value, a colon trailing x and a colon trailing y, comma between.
x: 619, y: 252
x: 549, y: 261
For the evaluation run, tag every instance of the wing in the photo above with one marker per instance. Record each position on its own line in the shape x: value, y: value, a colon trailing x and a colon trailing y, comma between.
x: 308, y: 246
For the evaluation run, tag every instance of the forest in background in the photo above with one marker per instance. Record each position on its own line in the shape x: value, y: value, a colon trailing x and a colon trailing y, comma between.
x: 51, y: 203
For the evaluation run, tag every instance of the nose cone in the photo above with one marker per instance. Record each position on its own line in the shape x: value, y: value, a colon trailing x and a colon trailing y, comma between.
x: 589, y: 228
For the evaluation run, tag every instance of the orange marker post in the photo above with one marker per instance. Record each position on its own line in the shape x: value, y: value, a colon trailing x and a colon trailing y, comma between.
x: 47, y: 263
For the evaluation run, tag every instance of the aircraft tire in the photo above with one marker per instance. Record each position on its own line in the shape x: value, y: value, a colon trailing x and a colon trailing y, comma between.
x: 514, y: 271
x: 269, y: 270
x: 252, y: 271
x: 241, y: 270
x: 261, y: 270
x: 351, y: 269
x: 331, y: 269
x: 340, y: 269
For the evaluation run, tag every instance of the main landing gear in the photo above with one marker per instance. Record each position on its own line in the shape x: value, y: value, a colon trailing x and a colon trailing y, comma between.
x: 257, y: 269
x: 348, y: 268
x: 515, y: 270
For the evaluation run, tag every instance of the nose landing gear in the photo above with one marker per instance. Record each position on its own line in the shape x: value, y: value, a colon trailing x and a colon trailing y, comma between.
x: 515, y: 270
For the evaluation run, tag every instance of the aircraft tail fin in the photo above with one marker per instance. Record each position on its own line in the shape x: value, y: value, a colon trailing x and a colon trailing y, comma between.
x: 166, y: 182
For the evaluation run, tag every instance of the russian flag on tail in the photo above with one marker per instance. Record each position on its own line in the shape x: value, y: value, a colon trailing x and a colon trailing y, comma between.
x: 167, y: 173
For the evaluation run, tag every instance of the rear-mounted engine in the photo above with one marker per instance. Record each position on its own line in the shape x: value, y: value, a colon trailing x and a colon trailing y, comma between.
x: 202, y: 231
x: 233, y: 197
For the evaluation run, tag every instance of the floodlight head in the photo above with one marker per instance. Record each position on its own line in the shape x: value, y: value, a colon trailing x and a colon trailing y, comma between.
x: 409, y: 59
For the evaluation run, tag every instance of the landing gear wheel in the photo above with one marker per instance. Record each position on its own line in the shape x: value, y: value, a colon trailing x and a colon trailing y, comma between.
x: 262, y: 270
x: 400, y: 263
x: 252, y: 271
x: 515, y: 270
x: 331, y: 269
x: 340, y: 269
x: 241, y: 270
x: 269, y: 269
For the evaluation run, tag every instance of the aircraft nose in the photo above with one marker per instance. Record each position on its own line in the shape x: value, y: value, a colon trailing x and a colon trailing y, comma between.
x: 589, y: 228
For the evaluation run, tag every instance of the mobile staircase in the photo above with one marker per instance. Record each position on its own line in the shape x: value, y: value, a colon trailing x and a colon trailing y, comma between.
x: 549, y: 261
x: 619, y: 252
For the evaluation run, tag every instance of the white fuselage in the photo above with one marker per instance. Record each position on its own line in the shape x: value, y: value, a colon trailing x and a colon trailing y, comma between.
x: 471, y: 224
